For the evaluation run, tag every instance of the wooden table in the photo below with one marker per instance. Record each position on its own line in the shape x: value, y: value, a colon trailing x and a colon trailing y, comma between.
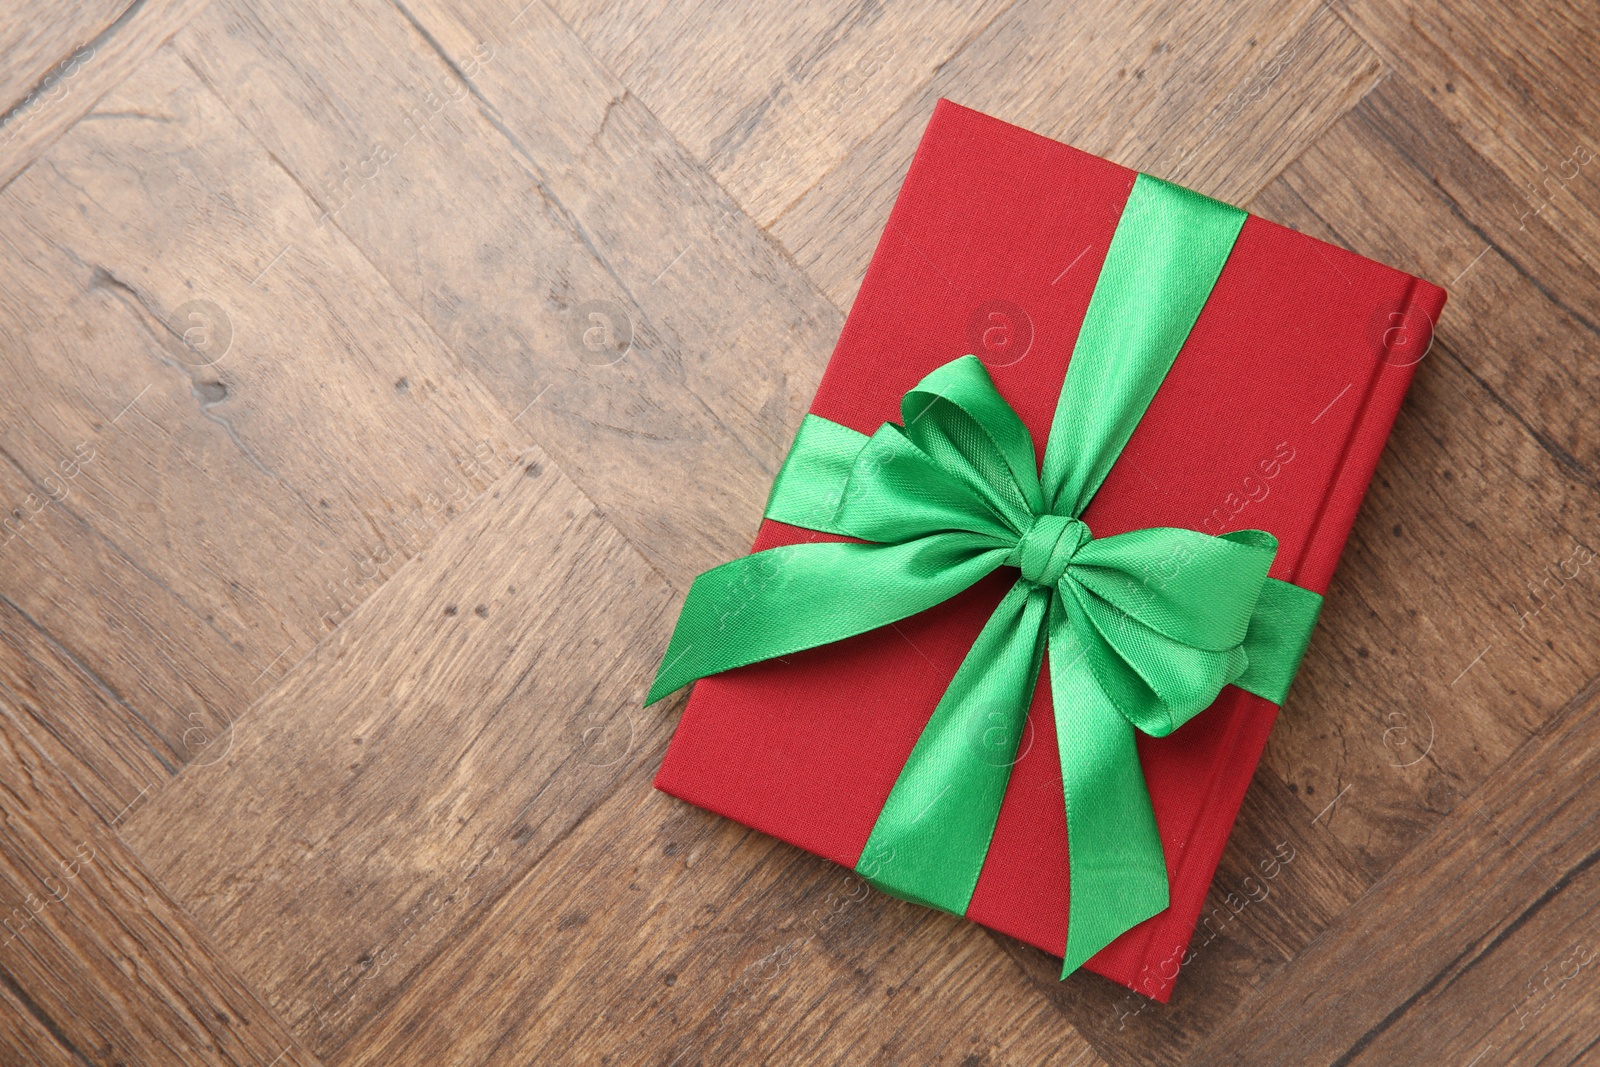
x: 377, y: 375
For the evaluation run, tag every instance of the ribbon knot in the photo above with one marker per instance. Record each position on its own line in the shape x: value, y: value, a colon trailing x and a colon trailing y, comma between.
x: 1049, y: 545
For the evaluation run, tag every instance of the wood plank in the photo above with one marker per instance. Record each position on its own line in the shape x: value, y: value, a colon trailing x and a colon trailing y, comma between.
x: 1218, y: 97
x: 33, y: 48
x: 97, y: 964
x: 660, y: 933
x: 24, y: 1035
x: 505, y: 184
x: 222, y: 430
x: 106, y: 749
x: 54, y: 66
x: 422, y: 759
x: 772, y: 97
x: 1445, y: 640
x: 1497, y: 912
x: 1512, y: 78
x: 1283, y: 879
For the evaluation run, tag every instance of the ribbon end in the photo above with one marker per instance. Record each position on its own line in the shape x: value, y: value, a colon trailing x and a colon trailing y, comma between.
x: 1083, y: 943
x: 669, y: 680
x: 666, y: 682
x: 664, y: 686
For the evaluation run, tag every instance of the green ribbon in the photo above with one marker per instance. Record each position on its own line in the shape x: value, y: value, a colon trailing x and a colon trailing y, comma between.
x: 1142, y: 629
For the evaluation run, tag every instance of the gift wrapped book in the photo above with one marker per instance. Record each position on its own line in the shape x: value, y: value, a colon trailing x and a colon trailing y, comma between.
x: 1048, y: 549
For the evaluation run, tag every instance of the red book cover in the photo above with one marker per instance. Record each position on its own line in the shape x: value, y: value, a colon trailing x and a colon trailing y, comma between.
x: 1272, y: 417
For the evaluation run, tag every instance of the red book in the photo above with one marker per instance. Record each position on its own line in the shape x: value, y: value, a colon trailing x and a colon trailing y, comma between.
x: 1272, y: 417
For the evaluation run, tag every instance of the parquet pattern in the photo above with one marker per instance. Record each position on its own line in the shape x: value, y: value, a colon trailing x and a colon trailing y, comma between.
x: 377, y: 376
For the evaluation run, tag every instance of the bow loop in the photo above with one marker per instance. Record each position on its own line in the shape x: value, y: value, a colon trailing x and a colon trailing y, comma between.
x: 1192, y: 587
x: 963, y: 461
x: 1162, y: 615
x: 1153, y: 681
x: 957, y: 417
x: 896, y: 492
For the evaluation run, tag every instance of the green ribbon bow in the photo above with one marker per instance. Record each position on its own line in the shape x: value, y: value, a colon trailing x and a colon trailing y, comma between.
x: 1143, y: 629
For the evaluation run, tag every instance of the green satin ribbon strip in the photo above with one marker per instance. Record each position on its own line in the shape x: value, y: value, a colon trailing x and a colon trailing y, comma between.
x: 1140, y: 630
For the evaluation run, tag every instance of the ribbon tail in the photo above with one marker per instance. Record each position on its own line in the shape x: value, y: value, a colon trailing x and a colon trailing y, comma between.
x: 1117, y: 870
x: 787, y: 599
x: 932, y: 835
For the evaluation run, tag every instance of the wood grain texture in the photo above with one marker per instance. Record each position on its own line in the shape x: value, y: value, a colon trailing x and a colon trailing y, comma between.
x: 97, y: 964
x: 1181, y: 91
x: 1497, y: 916
x: 27, y: 1037
x: 770, y: 97
x: 223, y: 430
x: 1515, y: 81
x: 659, y: 933
x: 31, y: 48
x: 55, y: 63
x: 377, y: 376
x: 527, y: 192
x: 112, y: 756
x: 468, y: 715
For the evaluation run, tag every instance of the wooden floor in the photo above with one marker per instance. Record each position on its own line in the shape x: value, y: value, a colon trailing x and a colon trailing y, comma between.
x: 338, y: 556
